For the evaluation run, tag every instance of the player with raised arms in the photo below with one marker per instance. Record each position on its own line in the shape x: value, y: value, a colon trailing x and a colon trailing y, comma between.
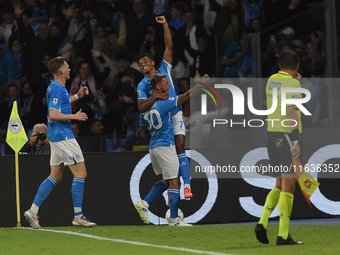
x: 146, y: 99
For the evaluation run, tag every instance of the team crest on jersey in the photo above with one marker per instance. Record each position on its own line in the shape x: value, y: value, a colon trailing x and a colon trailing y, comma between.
x: 139, y: 92
x: 273, y: 85
x: 55, y: 100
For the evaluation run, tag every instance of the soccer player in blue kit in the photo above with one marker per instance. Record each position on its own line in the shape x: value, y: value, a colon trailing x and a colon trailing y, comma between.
x: 146, y: 99
x: 162, y: 147
x: 64, y: 147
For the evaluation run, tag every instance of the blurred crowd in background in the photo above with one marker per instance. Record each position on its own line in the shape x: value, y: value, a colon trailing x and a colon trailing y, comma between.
x: 100, y: 40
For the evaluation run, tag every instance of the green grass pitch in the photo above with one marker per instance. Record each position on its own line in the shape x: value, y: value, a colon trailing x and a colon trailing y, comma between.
x: 228, y: 239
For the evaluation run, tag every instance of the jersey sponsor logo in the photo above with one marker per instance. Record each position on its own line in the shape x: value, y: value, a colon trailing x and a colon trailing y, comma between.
x: 55, y: 100
x: 274, y: 84
x: 171, y: 98
x: 295, y: 96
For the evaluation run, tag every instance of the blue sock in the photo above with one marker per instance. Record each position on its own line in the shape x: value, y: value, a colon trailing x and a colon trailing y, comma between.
x: 156, y: 191
x: 184, y: 167
x: 44, y: 190
x: 77, y: 191
x: 173, y: 202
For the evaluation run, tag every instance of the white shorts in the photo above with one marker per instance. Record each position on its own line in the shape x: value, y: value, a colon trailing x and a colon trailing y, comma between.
x: 165, y: 161
x: 65, y: 151
x: 179, y: 127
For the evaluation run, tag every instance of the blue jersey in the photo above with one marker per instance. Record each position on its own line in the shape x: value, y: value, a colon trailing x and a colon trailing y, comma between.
x: 158, y: 121
x: 252, y: 11
x: 176, y: 23
x: 145, y: 91
x: 58, y: 99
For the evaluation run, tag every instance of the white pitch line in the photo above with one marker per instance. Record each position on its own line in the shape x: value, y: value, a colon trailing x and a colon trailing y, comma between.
x: 130, y: 242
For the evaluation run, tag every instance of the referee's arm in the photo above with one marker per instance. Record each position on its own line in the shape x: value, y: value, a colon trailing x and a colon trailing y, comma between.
x: 293, y: 115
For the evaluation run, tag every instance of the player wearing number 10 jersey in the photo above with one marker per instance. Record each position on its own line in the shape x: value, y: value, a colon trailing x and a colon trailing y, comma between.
x: 146, y: 99
x: 162, y: 150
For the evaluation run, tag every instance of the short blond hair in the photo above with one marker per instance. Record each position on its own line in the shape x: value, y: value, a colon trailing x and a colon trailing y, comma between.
x: 55, y: 64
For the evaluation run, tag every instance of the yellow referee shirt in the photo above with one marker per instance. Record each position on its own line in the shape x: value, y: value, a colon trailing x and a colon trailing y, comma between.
x: 281, y: 80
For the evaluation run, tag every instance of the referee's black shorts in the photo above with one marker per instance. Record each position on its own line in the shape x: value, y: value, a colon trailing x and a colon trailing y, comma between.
x: 279, y: 153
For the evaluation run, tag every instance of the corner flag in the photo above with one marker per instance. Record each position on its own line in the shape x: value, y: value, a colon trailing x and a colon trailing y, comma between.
x: 16, y: 135
x: 16, y: 138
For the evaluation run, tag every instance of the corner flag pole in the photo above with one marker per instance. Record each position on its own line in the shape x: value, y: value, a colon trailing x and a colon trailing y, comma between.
x: 17, y: 188
x: 16, y: 138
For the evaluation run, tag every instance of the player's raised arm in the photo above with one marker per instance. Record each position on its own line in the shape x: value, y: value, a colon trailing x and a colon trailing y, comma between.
x: 181, y: 99
x: 191, y: 92
x: 167, y: 39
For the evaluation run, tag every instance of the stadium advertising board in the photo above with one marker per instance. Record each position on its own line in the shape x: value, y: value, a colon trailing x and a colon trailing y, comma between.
x: 117, y: 180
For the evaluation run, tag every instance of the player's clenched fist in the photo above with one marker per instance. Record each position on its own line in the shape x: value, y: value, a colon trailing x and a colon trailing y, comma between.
x: 161, y: 19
